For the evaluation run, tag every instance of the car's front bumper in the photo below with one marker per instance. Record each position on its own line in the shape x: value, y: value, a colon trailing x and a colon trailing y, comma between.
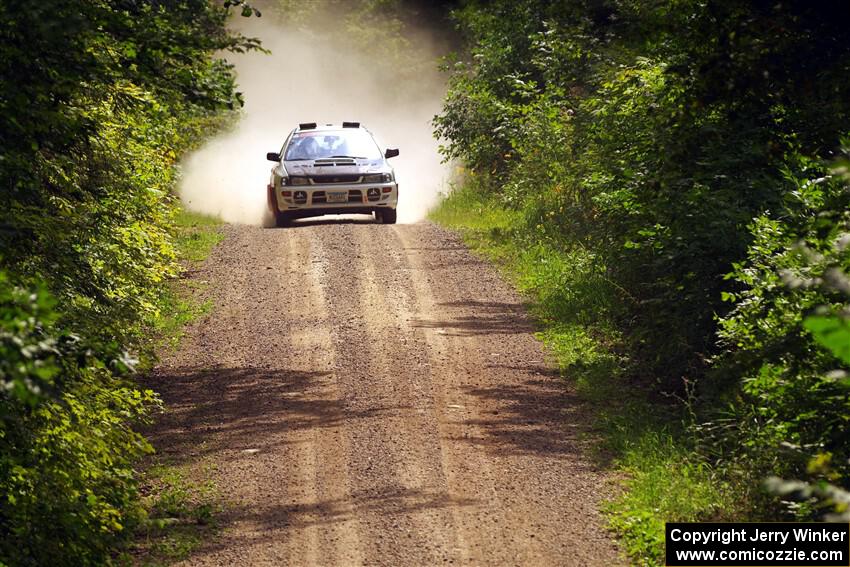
x: 334, y: 198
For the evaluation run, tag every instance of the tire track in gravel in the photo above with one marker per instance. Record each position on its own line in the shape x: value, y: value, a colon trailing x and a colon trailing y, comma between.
x: 373, y: 395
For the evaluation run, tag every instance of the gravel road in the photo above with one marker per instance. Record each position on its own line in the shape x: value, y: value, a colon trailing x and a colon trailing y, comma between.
x: 369, y: 394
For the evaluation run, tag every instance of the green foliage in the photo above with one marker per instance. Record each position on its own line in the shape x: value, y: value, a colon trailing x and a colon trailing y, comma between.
x: 29, y: 365
x: 97, y: 102
x: 66, y: 448
x: 600, y: 123
x: 86, y: 166
x: 469, y: 206
x: 680, y: 149
x: 788, y: 336
x: 832, y: 332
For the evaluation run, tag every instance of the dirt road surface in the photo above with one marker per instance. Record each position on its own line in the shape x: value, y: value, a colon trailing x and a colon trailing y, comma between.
x: 373, y: 395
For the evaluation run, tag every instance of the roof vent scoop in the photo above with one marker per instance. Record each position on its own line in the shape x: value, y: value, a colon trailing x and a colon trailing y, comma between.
x: 351, y: 124
x: 307, y: 126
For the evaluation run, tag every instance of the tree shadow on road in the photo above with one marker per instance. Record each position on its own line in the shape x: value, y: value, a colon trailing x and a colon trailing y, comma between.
x: 264, y: 525
x: 480, y: 318
x: 213, y: 410
x: 395, y: 502
x: 538, y: 414
x: 233, y: 416
x: 531, y: 410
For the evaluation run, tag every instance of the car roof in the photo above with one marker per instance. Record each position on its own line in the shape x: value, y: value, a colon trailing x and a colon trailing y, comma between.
x: 316, y: 127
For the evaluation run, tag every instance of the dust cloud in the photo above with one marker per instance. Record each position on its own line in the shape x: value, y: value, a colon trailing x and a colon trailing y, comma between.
x: 310, y: 77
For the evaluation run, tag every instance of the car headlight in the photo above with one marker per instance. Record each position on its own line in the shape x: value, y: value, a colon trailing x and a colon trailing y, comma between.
x: 298, y: 181
x: 378, y: 178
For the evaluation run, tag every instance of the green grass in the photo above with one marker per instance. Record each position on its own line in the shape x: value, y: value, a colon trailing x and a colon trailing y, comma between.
x: 664, y: 482
x: 572, y: 302
x: 179, y: 513
x: 196, y: 235
x: 179, y: 308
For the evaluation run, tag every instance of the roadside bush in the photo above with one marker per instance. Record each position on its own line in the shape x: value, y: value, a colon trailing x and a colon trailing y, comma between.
x: 98, y: 99
x: 66, y: 444
x: 786, y: 339
x: 605, y: 123
x: 681, y: 146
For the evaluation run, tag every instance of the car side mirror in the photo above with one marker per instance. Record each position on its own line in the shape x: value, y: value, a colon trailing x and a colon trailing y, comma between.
x: 391, y: 153
x: 273, y: 156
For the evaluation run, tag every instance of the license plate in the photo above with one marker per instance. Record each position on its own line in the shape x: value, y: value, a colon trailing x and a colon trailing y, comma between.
x: 337, y: 196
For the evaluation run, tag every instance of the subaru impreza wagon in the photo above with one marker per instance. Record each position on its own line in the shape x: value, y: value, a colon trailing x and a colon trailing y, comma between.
x: 332, y: 169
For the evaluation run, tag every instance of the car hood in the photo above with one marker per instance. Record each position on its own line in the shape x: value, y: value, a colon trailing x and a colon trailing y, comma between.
x: 327, y: 167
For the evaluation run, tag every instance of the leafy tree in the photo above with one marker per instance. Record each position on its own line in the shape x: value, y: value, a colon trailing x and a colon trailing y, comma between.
x: 98, y: 99
x: 683, y: 144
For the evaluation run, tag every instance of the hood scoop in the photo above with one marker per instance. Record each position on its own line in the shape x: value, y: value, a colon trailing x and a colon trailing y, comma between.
x: 331, y: 162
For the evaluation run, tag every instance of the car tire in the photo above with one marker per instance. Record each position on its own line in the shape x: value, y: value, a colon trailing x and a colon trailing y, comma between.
x: 388, y: 216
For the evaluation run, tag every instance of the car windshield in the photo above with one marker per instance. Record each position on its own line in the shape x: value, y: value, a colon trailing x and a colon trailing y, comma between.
x: 332, y: 143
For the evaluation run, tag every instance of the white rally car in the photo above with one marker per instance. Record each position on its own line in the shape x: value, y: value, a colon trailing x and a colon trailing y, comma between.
x: 332, y: 169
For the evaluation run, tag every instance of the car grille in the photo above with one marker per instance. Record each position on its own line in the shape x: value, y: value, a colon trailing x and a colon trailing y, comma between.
x: 330, y: 179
